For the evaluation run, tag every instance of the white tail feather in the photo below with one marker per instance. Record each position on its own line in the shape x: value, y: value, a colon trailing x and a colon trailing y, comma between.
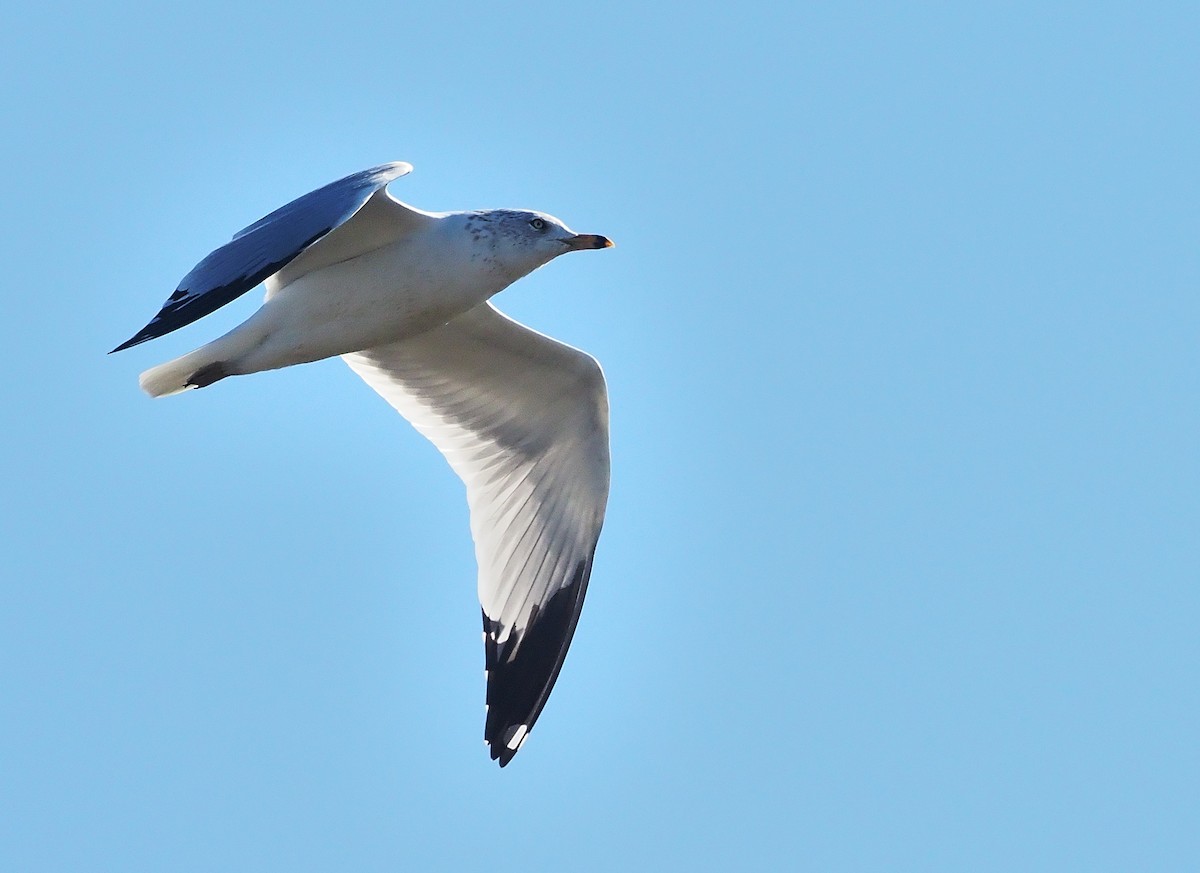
x: 221, y: 357
x: 172, y: 377
x: 177, y: 375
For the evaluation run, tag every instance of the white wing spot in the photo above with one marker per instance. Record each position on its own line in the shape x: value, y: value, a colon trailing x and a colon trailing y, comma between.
x: 518, y: 737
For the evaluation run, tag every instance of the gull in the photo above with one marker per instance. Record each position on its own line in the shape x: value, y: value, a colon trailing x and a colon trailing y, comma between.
x: 402, y: 295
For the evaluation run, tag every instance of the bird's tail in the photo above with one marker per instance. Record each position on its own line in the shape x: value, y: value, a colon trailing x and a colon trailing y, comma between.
x: 194, y: 370
x: 230, y: 355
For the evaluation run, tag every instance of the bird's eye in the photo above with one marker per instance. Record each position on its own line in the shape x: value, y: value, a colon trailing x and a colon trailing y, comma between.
x: 537, y: 224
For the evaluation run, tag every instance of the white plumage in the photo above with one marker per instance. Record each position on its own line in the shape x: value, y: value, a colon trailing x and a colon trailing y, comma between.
x: 402, y: 295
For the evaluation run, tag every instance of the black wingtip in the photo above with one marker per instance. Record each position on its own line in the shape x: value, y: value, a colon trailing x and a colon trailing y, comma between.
x: 136, y: 340
x: 504, y: 746
x: 522, y: 670
x: 501, y: 754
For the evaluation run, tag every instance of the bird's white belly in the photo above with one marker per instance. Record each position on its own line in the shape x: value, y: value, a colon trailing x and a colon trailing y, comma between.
x: 386, y: 295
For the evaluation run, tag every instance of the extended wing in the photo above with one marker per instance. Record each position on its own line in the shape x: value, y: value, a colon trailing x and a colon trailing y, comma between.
x: 264, y: 248
x: 523, y: 421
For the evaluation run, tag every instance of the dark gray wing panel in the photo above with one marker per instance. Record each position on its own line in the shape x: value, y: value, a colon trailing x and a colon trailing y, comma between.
x: 264, y: 248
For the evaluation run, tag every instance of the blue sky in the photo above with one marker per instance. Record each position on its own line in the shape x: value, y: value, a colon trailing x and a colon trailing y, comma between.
x: 900, y: 566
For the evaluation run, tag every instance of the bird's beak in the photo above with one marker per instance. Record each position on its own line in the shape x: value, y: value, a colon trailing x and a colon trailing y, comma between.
x: 582, y: 241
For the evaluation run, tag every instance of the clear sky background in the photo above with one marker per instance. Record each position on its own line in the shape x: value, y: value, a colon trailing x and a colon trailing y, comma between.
x: 901, y: 563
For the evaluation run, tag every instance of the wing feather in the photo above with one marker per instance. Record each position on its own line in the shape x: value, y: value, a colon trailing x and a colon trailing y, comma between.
x: 264, y: 248
x: 523, y: 421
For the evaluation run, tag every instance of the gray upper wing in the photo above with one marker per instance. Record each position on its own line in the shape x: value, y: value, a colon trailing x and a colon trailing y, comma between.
x: 264, y: 248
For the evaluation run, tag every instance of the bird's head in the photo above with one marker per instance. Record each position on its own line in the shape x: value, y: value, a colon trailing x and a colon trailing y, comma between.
x: 524, y: 240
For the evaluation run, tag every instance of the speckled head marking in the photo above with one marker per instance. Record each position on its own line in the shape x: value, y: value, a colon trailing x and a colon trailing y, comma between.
x: 521, y: 240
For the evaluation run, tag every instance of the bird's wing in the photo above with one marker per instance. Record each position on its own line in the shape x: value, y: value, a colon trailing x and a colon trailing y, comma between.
x: 264, y: 248
x: 523, y: 420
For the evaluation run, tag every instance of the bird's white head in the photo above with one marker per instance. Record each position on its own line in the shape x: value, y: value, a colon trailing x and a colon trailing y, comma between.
x: 521, y: 240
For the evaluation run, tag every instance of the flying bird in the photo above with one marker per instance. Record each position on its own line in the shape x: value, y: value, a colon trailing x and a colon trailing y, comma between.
x: 402, y: 295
